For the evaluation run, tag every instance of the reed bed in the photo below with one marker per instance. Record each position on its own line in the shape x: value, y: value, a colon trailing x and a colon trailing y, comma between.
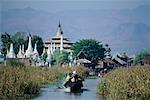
x: 126, y: 84
x: 19, y: 82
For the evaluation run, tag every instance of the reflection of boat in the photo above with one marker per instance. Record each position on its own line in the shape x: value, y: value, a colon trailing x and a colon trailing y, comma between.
x: 65, y: 89
x: 73, y: 87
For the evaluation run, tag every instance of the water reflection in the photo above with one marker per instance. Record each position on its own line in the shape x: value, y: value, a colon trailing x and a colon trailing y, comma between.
x: 79, y: 93
x: 51, y: 92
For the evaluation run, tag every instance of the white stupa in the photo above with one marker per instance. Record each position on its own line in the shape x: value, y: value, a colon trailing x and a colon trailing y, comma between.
x: 48, y: 53
x: 44, y: 51
x: 61, y: 42
x: 35, y: 49
x: 11, y: 53
x: 48, y: 59
x: 51, y: 48
x: 23, y: 49
x: 54, y: 47
x: 20, y: 53
x: 35, y: 52
x: 29, y: 50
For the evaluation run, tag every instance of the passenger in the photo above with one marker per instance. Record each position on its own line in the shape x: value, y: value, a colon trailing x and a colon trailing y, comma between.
x: 77, y: 78
x: 68, y: 80
x: 69, y: 76
x: 74, y: 78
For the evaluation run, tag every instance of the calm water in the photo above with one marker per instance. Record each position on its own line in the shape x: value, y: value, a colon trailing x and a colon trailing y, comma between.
x: 50, y: 92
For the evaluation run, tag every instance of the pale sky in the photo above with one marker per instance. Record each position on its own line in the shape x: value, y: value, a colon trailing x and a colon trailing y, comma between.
x: 62, y: 5
x: 56, y: 7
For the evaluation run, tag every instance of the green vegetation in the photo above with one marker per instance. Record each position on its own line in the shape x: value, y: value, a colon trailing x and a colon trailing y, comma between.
x: 139, y: 57
x: 59, y: 58
x: 6, y: 41
x: 92, y: 49
x: 18, y: 81
x: 20, y: 38
x: 126, y: 84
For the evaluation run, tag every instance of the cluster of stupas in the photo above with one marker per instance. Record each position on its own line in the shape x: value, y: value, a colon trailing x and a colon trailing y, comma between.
x: 21, y: 54
x: 30, y: 53
x: 58, y: 42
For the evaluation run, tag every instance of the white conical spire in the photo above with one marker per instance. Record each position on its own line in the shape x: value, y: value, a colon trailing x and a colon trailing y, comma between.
x: 23, y: 48
x: 29, y: 49
x: 51, y: 48
x: 61, y: 43
x: 48, y: 59
x: 11, y: 53
x: 35, y: 49
x: 54, y: 47
x: 59, y: 30
x: 11, y: 48
x: 20, y: 54
x: 48, y: 51
x: 35, y: 54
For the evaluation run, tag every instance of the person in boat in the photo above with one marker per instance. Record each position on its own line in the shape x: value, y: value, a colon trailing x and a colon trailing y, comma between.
x: 68, y: 80
x: 77, y: 79
x: 73, y: 78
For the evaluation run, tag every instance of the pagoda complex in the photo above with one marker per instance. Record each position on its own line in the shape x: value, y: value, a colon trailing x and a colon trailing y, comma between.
x: 58, y: 42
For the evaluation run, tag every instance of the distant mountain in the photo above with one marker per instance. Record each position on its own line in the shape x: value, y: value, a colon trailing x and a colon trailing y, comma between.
x: 27, y: 19
x: 132, y: 37
x: 125, y: 29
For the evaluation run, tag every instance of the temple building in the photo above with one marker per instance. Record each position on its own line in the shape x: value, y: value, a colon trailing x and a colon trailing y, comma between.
x: 58, y: 41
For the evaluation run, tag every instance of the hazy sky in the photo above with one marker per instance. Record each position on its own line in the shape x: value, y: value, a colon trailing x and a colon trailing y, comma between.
x: 62, y: 5
x: 96, y: 23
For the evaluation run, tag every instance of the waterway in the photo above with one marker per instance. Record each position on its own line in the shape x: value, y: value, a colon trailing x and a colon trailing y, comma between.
x: 51, y: 92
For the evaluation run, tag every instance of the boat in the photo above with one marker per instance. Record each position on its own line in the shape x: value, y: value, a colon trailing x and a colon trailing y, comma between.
x: 73, y: 87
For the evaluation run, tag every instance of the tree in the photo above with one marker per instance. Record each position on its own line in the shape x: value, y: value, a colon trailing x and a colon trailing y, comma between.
x: 139, y: 57
x: 64, y: 57
x: 18, y: 39
x: 92, y: 49
x: 44, y: 56
x: 6, y: 41
x: 59, y: 58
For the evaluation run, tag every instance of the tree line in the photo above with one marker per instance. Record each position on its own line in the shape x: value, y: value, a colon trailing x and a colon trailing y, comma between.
x: 93, y: 49
x: 20, y: 38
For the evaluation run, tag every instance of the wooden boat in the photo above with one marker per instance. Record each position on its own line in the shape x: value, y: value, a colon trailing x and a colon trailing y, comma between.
x: 73, y: 87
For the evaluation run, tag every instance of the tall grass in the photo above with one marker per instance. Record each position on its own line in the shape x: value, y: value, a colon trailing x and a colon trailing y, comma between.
x: 126, y: 84
x: 20, y: 81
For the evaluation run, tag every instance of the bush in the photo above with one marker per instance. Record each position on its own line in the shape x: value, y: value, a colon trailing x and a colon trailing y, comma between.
x: 15, y: 63
x: 126, y: 83
x: 102, y: 88
x: 20, y: 82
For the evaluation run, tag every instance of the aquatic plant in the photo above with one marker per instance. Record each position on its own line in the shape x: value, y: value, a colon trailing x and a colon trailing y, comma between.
x: 126, y: 83
x: 19, y: 82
